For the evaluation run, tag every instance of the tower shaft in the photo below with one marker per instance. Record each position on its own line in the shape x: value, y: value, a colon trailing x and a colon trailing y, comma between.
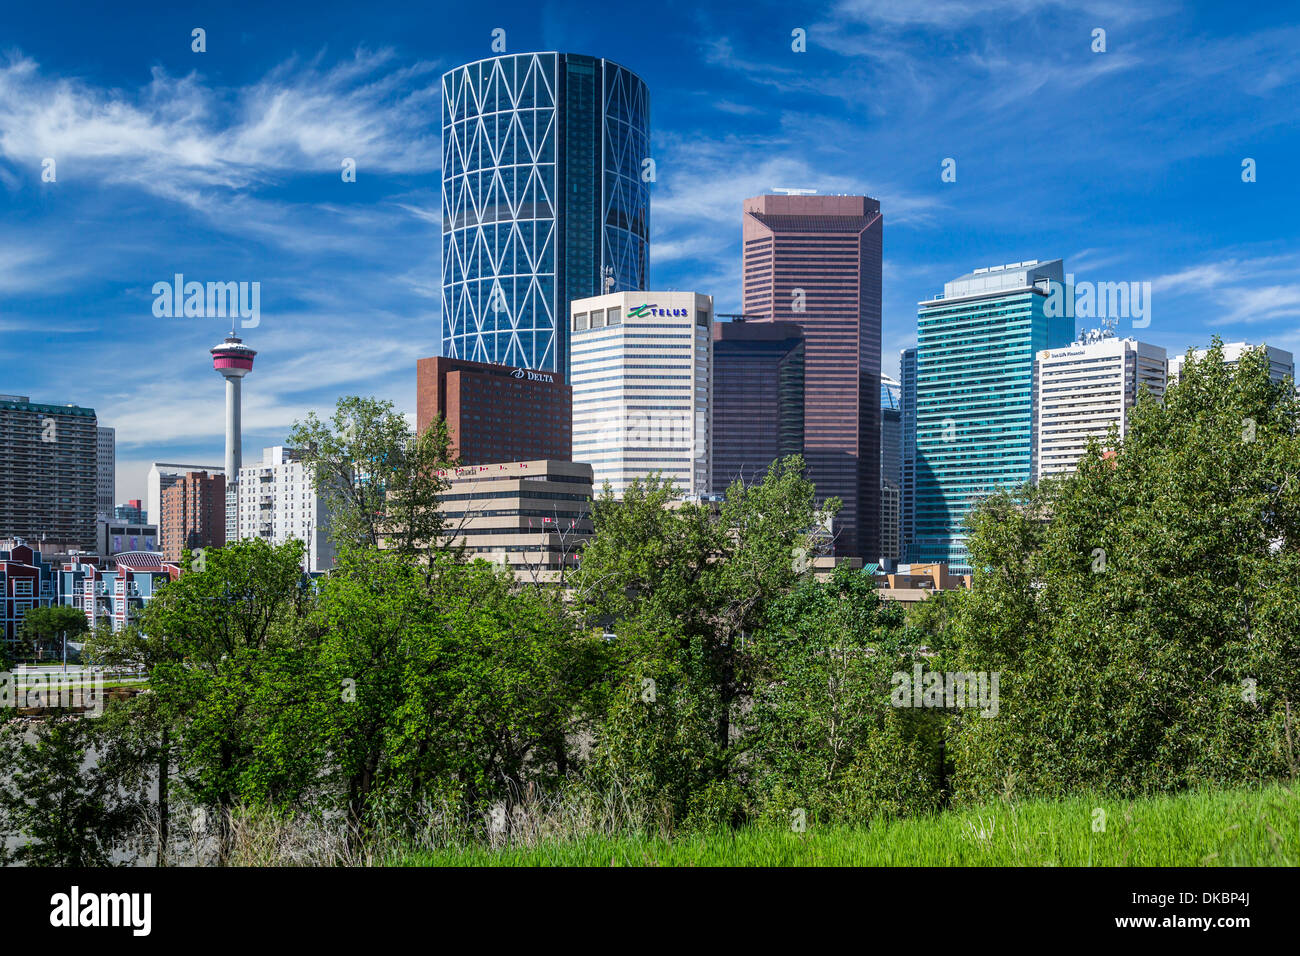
x: 234, y: 454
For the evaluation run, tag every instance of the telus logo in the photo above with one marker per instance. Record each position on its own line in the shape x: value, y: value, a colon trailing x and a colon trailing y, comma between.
x: 652, y: 309
x: 103, y: 909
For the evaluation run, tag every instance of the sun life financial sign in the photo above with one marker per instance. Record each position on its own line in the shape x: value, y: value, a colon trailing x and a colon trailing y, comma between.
x: 533, y: 376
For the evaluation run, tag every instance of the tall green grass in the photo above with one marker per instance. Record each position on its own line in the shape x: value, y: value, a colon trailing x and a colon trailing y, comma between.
x: 1203, y: 828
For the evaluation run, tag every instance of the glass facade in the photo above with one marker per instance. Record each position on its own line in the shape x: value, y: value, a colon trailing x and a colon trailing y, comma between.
x: 543, y: 201
x: 976, y: 346
x: 891, y: 431
x: 758, y: 398
x: 907, y: 404
x: 891, y: 467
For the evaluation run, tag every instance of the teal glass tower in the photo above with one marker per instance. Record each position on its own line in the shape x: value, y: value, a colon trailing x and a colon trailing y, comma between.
x: 974, y: 396
x: 543, y: 201
x: 907, y: 403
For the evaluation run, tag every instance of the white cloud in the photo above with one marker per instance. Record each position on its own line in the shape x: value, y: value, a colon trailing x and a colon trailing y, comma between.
x: 1262, y: 303
x: 952, y: 14
x: 179, y: 137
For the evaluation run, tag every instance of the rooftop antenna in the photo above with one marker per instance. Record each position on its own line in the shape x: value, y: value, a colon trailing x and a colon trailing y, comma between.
x: 609, y: 279
x: 793, y: 191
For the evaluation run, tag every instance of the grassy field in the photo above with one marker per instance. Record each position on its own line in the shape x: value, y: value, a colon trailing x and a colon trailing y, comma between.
x: 1210, y: 828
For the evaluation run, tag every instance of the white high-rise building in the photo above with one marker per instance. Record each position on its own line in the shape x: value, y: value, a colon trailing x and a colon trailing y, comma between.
x: 1281, y: 362
x: 277, y: 502
x: 1081, y: 390
x: 106, y: 471
x: 642, y: 377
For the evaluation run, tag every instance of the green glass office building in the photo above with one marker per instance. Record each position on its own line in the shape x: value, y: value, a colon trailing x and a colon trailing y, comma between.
x: 974, y: 396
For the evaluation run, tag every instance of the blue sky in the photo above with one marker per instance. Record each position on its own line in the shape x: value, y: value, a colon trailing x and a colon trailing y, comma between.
x: 224, y: 166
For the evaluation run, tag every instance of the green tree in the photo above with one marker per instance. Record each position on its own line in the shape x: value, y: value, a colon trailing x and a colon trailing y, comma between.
x: 67, y: 811
x: 827, y: 740
x: 380, y: 480
x: 937, y: 618
x: 233, y: 654
x: 1143, y: 611
x: 683, y: 585
x: 47, y: 627
x: 137, y: 733
x: 455, y: 684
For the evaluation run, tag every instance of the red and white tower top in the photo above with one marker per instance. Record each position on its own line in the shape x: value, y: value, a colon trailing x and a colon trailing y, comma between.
x: 232, y: 358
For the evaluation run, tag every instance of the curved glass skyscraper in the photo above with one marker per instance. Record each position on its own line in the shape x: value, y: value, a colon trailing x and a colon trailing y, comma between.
x: 543, y: 200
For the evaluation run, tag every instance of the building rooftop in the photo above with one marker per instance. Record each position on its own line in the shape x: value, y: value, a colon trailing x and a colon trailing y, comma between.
x: 20, y: 403
x: 995, y: 280
x: 139, y: 560
x: 891, y: 393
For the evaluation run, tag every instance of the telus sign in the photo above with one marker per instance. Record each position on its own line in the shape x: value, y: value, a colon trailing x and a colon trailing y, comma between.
x: 652, y: 308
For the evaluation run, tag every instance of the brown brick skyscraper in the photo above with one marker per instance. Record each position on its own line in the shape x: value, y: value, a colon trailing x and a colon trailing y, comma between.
x: 815, y: 260
x: 193, y: 514
x: 496, y: 413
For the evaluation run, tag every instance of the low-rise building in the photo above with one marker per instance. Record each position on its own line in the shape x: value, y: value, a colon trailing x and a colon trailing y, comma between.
x: 26, y: 581
x: 116, y: 591
x: 113, y: 537
x: 530, y: 516
x: 913, y: 583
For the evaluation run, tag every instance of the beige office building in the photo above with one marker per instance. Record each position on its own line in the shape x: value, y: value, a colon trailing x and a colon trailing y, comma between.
x: 530, y: 516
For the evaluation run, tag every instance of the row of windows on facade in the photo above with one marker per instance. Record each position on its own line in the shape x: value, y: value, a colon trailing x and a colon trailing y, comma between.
x: 602, y: 318
x: 545, y: 495
x: 576, y: 515
x: 597, y: 318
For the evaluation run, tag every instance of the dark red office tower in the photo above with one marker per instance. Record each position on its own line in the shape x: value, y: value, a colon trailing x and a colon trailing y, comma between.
x: 757, y: 398
x: 815, y: 261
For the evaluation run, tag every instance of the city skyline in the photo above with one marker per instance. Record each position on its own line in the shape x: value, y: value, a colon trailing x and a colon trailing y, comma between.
x: 224, y: 166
